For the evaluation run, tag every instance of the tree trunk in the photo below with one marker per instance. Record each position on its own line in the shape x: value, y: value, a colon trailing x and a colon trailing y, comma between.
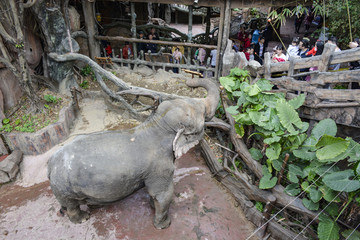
x: 91, y: 29
x: 57, y: 39
x: 20, y: 69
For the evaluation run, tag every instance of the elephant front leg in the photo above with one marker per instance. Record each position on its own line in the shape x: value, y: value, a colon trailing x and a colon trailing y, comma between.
x: 162, y: 202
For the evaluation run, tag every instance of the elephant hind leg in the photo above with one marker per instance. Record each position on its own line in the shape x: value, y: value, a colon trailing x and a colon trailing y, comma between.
x: 162, y: 200
x: 72, y: 208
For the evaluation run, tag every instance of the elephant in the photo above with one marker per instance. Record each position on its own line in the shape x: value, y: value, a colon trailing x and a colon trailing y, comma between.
x: 101, y: 168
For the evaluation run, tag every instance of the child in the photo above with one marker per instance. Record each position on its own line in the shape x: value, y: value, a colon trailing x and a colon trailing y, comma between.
x: 249, y: 53
x: 293, y: 49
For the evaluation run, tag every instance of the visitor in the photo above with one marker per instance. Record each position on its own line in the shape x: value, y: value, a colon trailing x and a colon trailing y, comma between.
x: 259, y: 50
x: 127, y: 51
x: 108, y: 50
x: 304, y: 45
x: 278, y: 55
x: 141, y: 46
x: 267, y: 34
x: 154, y: 34
x: 152, y: 47
x: 247, y: 41
x: 319, y: 46
x: 355, y: 64
x: 234, y: 46
x: 242, y: 35
x: 308, y: 20
x: 333, y: 40
x: 255, y: 36
x: 298, y: 21
x: 213, y: 54
x: 293, y: 49
x: 201, y: 56
x: 249, y: 53
x: 177, y: 56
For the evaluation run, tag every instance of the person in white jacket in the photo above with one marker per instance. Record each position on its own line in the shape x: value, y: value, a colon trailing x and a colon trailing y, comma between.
x: 293, y: 49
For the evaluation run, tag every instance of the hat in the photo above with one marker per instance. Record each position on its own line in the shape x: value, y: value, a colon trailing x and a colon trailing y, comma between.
x: 141, y: 32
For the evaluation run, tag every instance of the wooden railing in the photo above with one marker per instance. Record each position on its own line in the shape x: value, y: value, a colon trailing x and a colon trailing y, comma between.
x: 161, y: 59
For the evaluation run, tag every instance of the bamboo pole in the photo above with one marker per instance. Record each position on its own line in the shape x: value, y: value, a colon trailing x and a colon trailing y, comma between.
x: 190, y: 33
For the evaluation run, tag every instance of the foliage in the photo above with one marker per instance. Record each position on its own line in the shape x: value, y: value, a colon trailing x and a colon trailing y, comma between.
x: 51, y: 99
x: 87, y: 71
x: 84, y: 84
x: 335, y: 13
x: 312, y: 169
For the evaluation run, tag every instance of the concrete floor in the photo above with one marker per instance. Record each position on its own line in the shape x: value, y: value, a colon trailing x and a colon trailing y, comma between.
x: 201, y: 209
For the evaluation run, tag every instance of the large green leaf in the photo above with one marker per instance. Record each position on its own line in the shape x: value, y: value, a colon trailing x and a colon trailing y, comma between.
x: 315, y: 194
x: 329, y: 194
x: 310, y: 204
x: 292, y: 189
x: 329, y: 147
x: 243, y: 118
x: 342, y: 181
x: 327, y: 229
x: 304, y: 153
x: 276, y: 165
x: 272, y: 140
x: 228, y: 83
x: 264, y: 84
x: 239, y: 129
x: 293, y: 172
x: 353, y: 151
x: 273, y: 151
x: 326, y: 126
x: 255, y: 154
x: 267, y: 181
x: 233, y: 110
x: 288, y: 116
x: 297, y: 101
x: 351, y: 234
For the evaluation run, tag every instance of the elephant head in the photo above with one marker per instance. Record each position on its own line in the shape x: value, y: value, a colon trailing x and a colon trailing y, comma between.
x: 186, y: 116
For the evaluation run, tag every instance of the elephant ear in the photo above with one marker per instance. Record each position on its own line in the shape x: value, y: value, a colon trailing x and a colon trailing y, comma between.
x: 184, y: 142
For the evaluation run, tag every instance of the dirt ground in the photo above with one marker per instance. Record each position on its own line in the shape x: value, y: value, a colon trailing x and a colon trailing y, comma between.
x: 201, y: 209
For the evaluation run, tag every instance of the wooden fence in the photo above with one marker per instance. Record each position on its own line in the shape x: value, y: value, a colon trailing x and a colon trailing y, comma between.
x: 161, y: 59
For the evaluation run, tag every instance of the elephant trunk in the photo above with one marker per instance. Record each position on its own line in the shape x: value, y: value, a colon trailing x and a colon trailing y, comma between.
x: 213, y: 95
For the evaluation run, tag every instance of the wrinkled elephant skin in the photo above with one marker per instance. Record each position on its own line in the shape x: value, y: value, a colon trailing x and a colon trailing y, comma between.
x: 101, y: 168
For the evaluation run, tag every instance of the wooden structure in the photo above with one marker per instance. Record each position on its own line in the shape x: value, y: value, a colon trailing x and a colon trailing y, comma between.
x: 103, y: 61
x: 224, y: 25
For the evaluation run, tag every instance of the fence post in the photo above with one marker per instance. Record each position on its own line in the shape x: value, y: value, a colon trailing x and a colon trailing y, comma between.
x: 267, y: 61
x: 326, y: 57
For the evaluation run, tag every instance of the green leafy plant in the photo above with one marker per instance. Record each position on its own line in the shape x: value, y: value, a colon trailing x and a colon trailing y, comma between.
x: 311, y: 169
x: 51, y: 99
x: 84, y: 84
x: 88, y: 71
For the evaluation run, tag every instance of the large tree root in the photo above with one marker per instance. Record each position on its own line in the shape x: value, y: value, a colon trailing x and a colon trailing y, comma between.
x: 124, y: 88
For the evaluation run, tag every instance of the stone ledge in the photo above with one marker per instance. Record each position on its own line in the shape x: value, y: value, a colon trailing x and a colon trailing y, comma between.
x: 46, y: 138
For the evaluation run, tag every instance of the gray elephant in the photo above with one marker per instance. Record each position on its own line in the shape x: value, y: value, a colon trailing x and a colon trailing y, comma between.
x: 101, y: 168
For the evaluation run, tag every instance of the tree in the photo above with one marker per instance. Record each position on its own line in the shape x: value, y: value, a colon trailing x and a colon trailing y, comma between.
x: 336, y: 17
x: 55, y: 37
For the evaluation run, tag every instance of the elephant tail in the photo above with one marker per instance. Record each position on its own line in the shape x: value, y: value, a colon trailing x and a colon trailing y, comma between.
x: 212, y: 98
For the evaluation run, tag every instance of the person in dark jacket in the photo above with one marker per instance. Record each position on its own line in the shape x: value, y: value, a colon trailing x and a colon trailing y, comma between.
x: 141, y: 46
x: 259, y: 50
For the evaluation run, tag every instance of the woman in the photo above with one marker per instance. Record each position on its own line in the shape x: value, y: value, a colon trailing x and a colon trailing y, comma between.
x: 279, y: 56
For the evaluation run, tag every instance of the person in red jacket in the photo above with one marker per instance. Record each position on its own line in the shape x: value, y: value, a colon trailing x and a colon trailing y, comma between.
x: 127, y: 51
x: 247, y: 41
